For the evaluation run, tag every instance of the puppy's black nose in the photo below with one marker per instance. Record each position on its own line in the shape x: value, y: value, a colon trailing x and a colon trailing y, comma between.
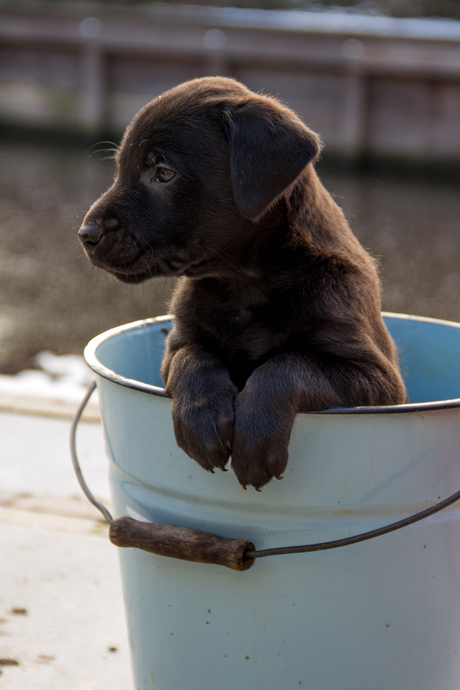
x: 90, y: 234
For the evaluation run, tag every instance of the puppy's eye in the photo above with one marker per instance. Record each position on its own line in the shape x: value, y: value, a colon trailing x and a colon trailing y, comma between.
x: 164, y: 174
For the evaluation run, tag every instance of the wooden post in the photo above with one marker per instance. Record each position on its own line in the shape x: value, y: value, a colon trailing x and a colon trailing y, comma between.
x: 355, y: 117
x: 214, y: 41
x: 94, y: 92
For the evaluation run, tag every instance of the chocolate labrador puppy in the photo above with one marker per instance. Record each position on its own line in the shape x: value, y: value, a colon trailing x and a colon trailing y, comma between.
x: 278, y: 307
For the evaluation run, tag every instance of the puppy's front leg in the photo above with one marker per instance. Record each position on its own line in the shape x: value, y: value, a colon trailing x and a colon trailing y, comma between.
x: 203, y: 404
x: 265, y: 411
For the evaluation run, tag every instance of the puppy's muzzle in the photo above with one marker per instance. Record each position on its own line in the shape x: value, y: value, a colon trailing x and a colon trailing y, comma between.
x: 92, y: 232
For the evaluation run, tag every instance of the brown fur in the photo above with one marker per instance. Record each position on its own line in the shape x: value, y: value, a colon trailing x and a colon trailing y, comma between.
x: 278, y: 307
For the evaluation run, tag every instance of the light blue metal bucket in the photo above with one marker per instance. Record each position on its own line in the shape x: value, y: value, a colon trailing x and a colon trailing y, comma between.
x: 382, y: 614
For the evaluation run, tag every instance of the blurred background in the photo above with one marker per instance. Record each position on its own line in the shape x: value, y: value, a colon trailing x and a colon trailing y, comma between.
x: 379, y: 80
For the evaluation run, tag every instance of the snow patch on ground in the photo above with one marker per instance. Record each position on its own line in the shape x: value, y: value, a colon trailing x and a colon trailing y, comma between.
x: 59, y: 377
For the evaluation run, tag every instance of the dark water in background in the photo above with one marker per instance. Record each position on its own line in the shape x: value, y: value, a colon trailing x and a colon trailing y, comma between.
x: 51, y: 298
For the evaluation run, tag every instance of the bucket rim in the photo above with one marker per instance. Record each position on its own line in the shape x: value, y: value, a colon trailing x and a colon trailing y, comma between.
x: 91, y: 359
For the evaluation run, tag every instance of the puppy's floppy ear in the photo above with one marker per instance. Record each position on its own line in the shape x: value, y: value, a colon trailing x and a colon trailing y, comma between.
x: 269, y: 148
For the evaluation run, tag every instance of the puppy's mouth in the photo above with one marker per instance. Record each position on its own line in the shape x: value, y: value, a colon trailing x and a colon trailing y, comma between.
x: 138, y: 272
x: 161, y: 268
x: 131, y: 278
x: 125, y: 270
x: 142, y: 268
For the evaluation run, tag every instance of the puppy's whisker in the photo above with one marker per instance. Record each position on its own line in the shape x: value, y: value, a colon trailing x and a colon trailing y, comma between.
x: 113, y: 147
x: 152, y: 262
x: 112, y: 153
x: 224, y: 258
x: 205, y: 255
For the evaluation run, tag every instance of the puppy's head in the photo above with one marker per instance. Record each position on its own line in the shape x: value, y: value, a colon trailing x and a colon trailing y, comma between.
x: 197, y: 170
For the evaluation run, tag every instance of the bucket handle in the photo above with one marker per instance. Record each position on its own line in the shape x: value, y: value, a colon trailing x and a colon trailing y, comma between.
x: 203, y: 547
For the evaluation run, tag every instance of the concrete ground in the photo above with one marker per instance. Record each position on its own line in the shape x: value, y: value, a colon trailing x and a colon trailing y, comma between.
x: 62, y: 624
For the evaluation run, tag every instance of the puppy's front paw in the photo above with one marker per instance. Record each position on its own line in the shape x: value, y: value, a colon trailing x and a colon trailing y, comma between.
x: 260, y: 443
x: 204, y: 427
x: 257, y: 461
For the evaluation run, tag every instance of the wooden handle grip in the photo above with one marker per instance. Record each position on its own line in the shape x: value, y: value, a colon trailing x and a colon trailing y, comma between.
x: 181, y: 542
